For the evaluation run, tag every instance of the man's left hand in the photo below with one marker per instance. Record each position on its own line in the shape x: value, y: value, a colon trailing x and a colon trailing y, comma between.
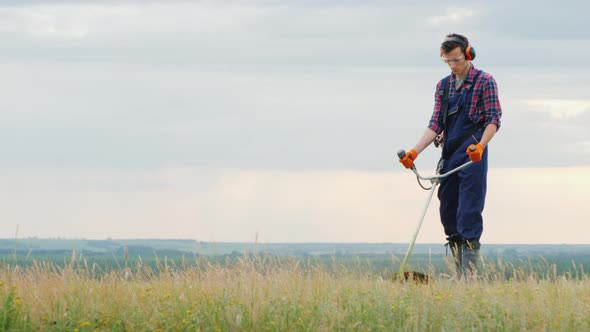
x: 475, y: 151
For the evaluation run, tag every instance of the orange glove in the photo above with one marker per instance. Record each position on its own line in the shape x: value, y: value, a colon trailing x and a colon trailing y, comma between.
x: 475, y: 151
x: 408, y: 159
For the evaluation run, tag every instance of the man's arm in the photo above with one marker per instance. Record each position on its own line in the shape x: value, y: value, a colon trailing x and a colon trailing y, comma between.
x: 475, y: 151
x: 493, y: 111
x: 426, y: 139
x: 488, y: 134
x: 408, y: 159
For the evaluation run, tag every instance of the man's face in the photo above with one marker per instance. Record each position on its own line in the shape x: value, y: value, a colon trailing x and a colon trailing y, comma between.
x: 456, y: 60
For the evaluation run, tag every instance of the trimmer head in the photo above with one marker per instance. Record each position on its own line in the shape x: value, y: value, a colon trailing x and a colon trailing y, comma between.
x: 417, y: 277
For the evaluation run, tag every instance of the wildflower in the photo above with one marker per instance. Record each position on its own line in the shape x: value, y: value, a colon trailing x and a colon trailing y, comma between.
x: 84, y: 323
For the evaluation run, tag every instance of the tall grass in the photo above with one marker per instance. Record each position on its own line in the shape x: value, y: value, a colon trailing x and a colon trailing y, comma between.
x: 259, y: 293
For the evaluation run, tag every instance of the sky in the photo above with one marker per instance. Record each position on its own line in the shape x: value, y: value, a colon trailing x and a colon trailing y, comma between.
x: 279, y: 121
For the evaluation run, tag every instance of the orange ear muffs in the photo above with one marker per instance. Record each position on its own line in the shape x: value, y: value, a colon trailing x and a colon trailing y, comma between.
x: 469, y: 53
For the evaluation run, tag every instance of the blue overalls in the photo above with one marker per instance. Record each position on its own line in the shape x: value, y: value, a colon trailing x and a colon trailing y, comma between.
x: 462, y: 194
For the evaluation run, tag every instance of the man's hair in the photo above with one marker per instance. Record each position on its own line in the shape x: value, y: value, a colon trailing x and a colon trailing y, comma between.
x: 451, y: 42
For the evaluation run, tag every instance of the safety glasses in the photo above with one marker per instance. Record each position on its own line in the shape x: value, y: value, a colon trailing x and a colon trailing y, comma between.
x: 456, y: 60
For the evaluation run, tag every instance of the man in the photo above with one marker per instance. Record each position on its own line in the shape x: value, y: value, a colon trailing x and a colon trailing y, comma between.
x: 466, y: 116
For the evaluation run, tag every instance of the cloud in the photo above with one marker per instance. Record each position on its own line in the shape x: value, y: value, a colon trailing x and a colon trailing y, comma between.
x: 584, y: 146
x: 151, y: 117
x: 561, y: 108
x: 452, y: 16
x: 63, y: 22
x: 258, y: 86
x: 324, y: 33
x: 544, y: 21
x: 147, y: 117
x: 212, y: 32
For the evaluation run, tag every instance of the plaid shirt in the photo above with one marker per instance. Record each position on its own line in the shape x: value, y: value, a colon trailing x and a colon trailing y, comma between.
x: 483, y: 106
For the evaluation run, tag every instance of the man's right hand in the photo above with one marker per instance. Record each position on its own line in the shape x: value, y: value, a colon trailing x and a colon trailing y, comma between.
x: 408, y: 159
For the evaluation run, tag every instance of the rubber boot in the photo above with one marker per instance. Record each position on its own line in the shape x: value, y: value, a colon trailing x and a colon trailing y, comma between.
x: 470, y: 258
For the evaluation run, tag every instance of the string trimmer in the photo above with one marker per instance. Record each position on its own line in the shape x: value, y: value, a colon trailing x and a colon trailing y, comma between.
x: 434, y: 180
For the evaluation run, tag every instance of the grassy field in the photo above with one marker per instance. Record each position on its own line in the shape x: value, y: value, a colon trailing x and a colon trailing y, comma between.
x: 267, y: 294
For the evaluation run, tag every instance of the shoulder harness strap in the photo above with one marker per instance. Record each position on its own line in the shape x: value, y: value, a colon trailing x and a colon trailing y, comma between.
x: 445, y: 101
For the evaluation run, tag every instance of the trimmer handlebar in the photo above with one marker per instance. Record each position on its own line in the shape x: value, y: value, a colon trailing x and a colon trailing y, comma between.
x: 401, y: 153
x: 435, y: 178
